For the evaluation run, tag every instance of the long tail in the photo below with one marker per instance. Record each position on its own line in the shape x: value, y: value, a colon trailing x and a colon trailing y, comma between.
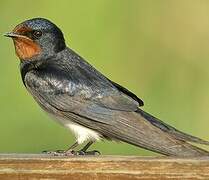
x: 143, y: 130
x: 171, y: 130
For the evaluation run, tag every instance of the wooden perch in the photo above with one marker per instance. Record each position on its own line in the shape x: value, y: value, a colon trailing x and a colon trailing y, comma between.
x: 16, y: 166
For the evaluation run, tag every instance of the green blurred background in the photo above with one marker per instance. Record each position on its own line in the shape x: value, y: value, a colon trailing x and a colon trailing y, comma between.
x: 157, y: 49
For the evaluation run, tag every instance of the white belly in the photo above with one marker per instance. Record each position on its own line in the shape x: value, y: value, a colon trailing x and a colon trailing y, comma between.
x: 82, y: 133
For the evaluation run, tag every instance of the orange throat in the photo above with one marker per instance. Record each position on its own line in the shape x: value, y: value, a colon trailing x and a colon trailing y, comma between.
x: 26, y: 48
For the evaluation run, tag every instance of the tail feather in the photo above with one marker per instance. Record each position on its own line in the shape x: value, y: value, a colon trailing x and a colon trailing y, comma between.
x: 137, y: 129
x: 171, y: 130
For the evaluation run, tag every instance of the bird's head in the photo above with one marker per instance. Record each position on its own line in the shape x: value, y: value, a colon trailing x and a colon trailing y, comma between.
x: 37, y: 38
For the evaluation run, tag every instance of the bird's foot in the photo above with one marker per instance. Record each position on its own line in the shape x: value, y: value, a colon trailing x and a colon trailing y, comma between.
x: 83, y: 153
x: 72, y: 153
x: 59, y: 153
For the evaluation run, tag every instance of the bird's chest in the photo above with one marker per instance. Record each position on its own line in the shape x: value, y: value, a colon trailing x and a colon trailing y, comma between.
x: 82, y: 133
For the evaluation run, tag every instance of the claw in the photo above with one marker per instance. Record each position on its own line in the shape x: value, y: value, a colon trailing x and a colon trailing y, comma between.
x: 83, y: 153
x: 72, y: 153
x: 59, y: 153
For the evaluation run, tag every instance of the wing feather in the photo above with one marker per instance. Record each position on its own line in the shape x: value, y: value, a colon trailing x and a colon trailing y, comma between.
x: 68, y: 96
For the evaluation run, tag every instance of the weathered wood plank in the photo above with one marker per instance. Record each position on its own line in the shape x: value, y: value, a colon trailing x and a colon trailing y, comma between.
x: 17, y: 166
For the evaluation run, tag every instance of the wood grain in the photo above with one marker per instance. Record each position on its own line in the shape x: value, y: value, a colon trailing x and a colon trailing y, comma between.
x: 37, y: 166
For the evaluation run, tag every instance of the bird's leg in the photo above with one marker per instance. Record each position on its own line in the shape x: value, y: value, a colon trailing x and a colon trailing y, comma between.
x: 84, y: 151
x: 69, y: 151
x: 72, y: 147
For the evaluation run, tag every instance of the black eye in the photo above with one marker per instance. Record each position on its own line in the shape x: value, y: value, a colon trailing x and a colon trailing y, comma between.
x: 37, y: 34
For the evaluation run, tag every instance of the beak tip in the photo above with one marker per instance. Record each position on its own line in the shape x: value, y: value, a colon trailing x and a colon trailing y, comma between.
x: 9, y: 34
x: 6, y: 34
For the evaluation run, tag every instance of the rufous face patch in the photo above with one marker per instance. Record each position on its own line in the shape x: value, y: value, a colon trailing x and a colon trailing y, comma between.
x: 25, y: 47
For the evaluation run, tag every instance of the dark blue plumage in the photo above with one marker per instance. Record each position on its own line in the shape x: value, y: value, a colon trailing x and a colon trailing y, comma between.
x: 91, y: 105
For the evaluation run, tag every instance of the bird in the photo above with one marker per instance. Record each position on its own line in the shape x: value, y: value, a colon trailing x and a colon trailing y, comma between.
x: 85, y: 101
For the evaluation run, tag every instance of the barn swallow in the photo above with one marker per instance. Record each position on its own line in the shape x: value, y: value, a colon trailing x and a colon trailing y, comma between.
x: 85, y: 101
